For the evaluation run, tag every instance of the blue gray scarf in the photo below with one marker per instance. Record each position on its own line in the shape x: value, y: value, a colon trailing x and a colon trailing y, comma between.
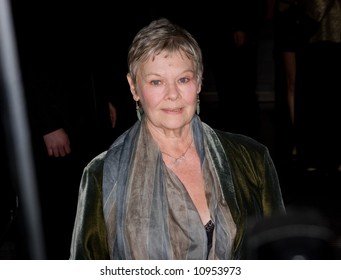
x: 147, y: 210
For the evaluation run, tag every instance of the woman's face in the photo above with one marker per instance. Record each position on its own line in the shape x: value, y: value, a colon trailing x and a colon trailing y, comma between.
x: 167, y: 89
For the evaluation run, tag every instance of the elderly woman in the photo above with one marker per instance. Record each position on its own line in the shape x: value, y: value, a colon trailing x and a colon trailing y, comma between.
x: 171, y: 187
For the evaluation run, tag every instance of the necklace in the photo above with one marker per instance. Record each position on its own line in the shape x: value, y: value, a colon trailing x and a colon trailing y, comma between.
x: 177, y: 160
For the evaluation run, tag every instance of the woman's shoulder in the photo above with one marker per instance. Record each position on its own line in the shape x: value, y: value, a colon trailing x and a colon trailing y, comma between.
x: 96, y: 164
x: 239, y: 138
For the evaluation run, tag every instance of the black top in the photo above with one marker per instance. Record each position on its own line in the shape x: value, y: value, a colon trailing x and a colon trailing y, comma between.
x: 209, y: 227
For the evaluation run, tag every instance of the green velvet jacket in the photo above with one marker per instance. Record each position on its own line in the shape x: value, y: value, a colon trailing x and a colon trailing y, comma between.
x: 253, y: 183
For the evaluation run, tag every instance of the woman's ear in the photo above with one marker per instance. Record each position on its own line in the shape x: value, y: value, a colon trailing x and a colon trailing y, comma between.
x: 132, y: 87
x: 199, y: 89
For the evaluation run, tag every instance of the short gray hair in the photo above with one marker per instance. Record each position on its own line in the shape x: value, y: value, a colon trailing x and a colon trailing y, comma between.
x: 162, y: 35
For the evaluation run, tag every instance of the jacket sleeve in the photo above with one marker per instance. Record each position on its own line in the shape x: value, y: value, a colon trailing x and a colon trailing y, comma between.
x: 89, y: 238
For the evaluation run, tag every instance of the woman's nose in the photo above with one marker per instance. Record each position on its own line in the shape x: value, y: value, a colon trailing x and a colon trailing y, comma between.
x: 172, y: 91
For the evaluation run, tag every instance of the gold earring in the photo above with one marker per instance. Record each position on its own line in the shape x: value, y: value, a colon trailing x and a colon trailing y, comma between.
x: 198, y: 105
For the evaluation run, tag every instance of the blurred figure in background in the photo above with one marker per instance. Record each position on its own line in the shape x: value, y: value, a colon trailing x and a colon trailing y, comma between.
x: 308, y: 52
x: 318, y: 72
x: 71, y: 113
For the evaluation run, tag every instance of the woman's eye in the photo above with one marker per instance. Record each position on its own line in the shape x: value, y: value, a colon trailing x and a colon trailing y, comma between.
x: 184, y: 80
x: 156, y: 82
